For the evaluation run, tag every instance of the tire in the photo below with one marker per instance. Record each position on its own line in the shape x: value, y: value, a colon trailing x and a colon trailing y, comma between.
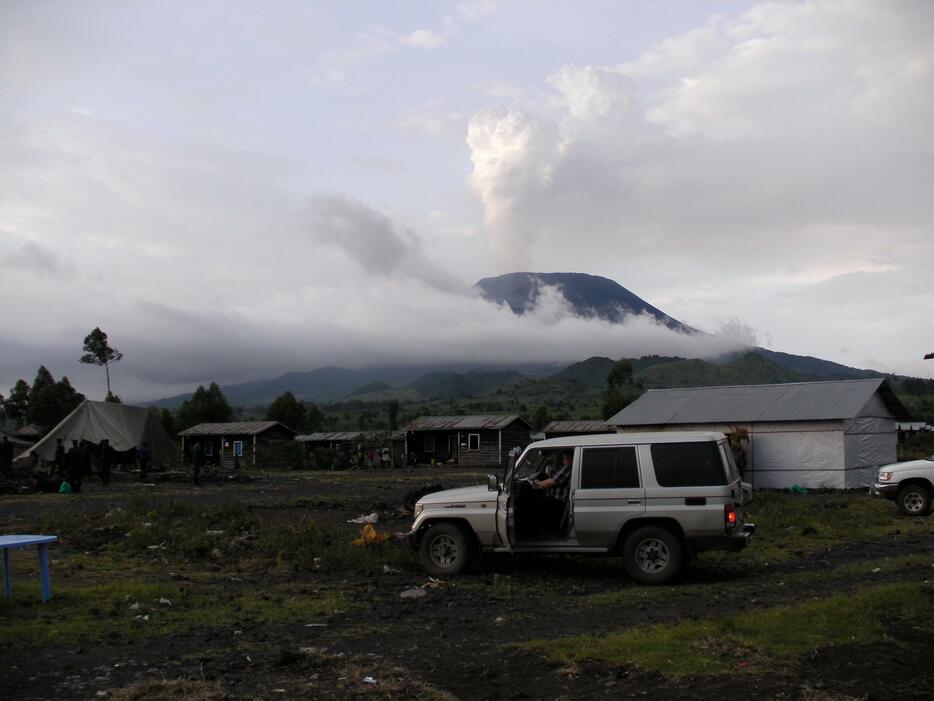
x: 446, y: 549
x: 652, y: 555
x: 914, y: 500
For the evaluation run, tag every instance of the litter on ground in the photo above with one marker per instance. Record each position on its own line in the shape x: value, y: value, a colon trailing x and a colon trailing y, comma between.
x: 370, y: 536
x: 365, y: 518
x: 413, y: 594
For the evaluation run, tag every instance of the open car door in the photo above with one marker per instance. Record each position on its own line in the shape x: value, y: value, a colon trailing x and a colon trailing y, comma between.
x: 505, y: 526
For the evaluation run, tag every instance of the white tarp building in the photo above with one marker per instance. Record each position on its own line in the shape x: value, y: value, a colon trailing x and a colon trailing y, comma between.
x: 124, y: 426
x: 814, y: 434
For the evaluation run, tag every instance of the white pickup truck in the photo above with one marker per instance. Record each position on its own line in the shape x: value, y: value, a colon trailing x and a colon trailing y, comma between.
x: 909, y: 484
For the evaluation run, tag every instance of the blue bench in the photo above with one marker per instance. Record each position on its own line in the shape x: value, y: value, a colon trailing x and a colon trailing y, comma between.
x: 12, y: 542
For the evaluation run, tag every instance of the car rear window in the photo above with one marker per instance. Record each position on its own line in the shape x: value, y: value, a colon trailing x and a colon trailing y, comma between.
x: 609, y: 468
x: 695, y: 464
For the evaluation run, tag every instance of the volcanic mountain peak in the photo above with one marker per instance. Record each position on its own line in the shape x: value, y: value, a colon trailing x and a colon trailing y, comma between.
x: 589, y: 296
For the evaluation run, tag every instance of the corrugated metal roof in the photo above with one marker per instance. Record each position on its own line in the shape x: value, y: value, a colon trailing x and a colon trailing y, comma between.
x: 797, y: 401
x: 329, y: 436
x: 247, y: 428
x: 578, y: 427
x: 460, y: 423
x: 339, y: 436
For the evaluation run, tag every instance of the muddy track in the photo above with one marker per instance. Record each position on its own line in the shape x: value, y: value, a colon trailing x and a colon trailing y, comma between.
x: 463, y: 639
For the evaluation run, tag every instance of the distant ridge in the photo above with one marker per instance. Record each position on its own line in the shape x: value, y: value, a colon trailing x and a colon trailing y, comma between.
x: 589, y: 296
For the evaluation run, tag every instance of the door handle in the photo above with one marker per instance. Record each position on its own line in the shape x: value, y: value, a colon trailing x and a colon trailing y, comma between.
x: 634, y: 501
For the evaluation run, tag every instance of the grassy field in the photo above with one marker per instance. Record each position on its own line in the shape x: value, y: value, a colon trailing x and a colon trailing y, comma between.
x: 238, y: 591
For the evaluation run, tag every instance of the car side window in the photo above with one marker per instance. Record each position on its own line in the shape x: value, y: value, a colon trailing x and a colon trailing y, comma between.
x: 695, y: 464
x: 609, y: 468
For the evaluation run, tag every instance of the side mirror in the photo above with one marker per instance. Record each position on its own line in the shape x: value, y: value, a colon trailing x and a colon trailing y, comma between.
x: 492, y: 483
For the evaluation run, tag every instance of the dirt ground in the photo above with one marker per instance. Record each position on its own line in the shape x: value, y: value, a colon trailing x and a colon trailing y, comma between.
x: 459, y: 639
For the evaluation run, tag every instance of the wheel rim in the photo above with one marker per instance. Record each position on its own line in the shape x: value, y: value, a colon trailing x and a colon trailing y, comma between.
x: 444, y: 550
x: 913, y: 501
x: 652, y: 555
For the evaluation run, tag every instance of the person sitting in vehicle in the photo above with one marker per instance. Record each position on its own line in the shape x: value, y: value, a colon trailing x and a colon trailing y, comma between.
x: 555, y: 500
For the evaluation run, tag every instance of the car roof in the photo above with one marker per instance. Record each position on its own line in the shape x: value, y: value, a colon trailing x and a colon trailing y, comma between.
x: 629, y: 439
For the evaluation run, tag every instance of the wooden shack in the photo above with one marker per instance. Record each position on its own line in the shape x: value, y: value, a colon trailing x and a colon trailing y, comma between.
x: 242, y: 444
x: 466, y: 440
x: 354, y: 449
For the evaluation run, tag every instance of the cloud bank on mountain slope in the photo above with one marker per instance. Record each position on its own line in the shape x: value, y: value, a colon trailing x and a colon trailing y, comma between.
x: 393, y: 306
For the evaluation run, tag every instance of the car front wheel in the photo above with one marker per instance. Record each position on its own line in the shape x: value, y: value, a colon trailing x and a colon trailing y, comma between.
x: 652, y: 555
x: 446, y: 549
x: 914, y: 500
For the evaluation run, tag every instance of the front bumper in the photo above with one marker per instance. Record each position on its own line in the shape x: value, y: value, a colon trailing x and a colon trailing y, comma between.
x: 887, y: 490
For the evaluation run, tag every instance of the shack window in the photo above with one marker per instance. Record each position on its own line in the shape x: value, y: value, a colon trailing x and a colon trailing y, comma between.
x: 473, y: 441
x: 609, y: 468
x: 208, y: 449
x: 238, y: 449
x: 695, y: 464
x: 428, y: 443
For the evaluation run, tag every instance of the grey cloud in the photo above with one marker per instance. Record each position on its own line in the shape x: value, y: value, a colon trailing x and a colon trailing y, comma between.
x: 34, y: 260
x: 376, y: 242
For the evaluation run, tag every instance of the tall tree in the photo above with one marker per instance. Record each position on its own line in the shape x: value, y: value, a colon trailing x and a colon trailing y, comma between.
x: 205, y: 406
x: 619, y: 388
x: 17, y: 404
x: 393, y: 410
x: 69, y: 398
x: 97, y: 351
x: 286, y: 409
x: 314, y: 418
x: 43, y: 400
x: 50, y: 401
x: 540, y: 418
x: 167, y: 421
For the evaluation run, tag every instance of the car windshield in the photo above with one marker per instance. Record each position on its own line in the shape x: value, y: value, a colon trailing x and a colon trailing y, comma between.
x: 535, y: 462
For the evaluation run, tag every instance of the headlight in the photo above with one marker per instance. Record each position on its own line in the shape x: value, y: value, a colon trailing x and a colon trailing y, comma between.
x: 418, y: 510
x: 885, y: 476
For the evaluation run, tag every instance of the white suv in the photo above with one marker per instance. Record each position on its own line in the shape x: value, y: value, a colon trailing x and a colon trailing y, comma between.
x: 909, y: 484
x: 654, y: 498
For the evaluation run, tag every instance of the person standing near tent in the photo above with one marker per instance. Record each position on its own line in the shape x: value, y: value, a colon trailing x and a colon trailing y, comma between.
x: 105, y: 455
x: 197, y: 459
x: 84, y: 457
x: 73, y: 474
x: 59, y: 458
x: 143, y: 456
x: 6, y: 457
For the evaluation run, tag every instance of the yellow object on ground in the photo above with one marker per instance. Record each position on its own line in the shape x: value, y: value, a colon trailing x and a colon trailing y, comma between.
x: 370, y: 536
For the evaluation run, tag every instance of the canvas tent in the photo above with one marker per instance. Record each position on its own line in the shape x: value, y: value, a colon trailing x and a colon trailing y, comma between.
x: 815, y: 434
x: 124, y: 426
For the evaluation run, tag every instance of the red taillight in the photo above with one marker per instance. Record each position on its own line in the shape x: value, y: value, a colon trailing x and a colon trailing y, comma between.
x: 729, y: 516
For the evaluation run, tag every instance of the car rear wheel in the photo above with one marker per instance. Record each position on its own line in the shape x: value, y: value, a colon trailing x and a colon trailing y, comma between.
x: 446, y: 549
x: 914, y: 500
x: 652, y: 555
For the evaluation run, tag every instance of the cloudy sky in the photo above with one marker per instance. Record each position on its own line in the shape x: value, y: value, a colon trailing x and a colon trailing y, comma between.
x: 236, y: 189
